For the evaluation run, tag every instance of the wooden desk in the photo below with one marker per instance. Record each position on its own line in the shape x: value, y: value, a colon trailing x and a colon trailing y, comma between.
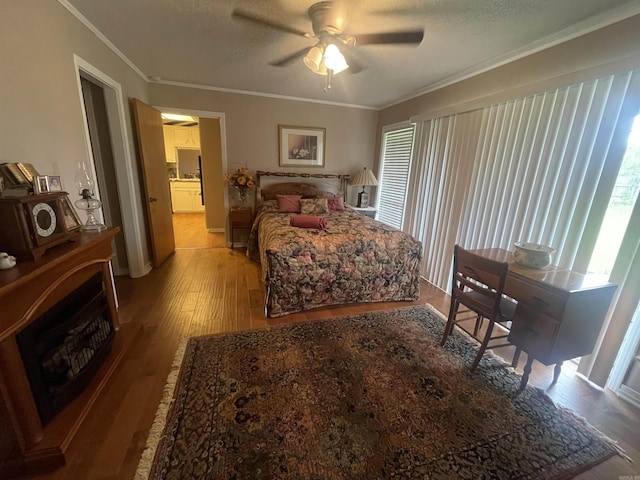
x: 560, y: 312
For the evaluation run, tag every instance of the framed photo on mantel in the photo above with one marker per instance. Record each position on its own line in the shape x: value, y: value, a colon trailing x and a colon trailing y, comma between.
x: 301, y: 146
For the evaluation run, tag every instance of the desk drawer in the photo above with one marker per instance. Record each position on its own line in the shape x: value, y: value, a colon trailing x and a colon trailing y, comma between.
x: 534, y: 332
x: 537, y: 297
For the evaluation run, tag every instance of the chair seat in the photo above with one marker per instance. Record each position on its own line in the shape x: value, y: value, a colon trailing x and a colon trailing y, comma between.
x: 507, y: 306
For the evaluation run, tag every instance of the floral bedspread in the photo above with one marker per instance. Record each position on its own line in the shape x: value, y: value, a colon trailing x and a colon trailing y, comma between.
x: 356, y: 259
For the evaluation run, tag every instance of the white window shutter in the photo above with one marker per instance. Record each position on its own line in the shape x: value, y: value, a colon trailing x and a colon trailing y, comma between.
x: 397, y: 147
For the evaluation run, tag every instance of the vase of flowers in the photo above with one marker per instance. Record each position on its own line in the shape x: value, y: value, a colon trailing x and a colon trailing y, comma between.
x: 242, y: 181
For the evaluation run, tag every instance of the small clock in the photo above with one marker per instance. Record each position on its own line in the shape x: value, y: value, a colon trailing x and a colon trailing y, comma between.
x: 45, y: 219
x: 32, y: 224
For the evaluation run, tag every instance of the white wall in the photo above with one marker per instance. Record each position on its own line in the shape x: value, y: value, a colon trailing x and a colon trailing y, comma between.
x: 41, y: 121
x: 252, y: 128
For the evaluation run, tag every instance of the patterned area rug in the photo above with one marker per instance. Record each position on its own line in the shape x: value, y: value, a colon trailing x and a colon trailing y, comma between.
x: 359, y: 397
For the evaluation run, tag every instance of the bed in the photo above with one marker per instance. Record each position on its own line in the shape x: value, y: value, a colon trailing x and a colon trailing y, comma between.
x: 354, y: 259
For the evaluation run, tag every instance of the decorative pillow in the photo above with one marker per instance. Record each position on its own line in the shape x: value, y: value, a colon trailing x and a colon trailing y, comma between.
x: 289, y: 203
x: 335, y: 203
x: 268, y: 206
x: 314, y: 206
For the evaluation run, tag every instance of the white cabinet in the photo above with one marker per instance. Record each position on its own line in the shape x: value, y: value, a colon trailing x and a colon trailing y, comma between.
x: 169, y: 148
x: 186, y: 197
x: 186, y: 136
x: 175, y: 136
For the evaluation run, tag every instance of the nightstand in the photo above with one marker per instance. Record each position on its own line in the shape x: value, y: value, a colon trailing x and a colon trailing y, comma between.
x: 368, y: 211
x: 240, y: 218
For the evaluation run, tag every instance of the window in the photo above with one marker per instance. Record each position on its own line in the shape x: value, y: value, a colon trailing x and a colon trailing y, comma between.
x: 620, y: 206
x: 537, y: 169
x: 397, y: 147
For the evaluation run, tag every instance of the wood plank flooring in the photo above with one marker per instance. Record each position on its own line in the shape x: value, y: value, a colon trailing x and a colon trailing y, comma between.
x: 214, y: 289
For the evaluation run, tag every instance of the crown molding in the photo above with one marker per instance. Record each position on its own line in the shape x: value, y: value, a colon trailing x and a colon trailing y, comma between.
x: 101, y: 37
x: 148, y: 79
x: 579, y: 29
x: 258, y: 94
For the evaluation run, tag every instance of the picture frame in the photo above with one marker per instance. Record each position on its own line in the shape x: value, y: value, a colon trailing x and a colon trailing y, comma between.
x: 55, y: 183
x: 71, y: 218
x: 301, y: 146
x: 40, y: 184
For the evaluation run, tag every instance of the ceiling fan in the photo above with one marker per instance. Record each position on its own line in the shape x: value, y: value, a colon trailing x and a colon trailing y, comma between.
x: 328, y: 23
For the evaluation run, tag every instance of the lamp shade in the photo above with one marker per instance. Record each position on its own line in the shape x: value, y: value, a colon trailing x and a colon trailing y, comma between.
x: 334, y: 59
x: 364, y: 178
x: 313, y: 60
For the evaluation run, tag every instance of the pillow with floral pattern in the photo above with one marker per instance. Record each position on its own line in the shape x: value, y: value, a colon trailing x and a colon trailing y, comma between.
x: 314, y: 206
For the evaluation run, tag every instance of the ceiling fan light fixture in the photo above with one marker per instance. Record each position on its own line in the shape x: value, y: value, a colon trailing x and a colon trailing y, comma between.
x: 313, y: 59
x: 334, y: 60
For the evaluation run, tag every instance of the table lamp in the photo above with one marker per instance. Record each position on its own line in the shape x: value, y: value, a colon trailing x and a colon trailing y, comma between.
x: 364, y: 178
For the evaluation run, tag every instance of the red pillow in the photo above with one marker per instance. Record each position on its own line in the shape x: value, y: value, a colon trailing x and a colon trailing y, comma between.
x: 289, y: 203
x: 335, y: 203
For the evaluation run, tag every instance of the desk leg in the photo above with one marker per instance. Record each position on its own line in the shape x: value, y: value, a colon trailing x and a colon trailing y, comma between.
x: 526, y: 373
x: 516, y: 357
x: 556, y: 372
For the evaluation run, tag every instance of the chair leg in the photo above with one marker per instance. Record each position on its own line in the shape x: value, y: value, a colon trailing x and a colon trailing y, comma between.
x: 448, y: 328
x: 483, y: 345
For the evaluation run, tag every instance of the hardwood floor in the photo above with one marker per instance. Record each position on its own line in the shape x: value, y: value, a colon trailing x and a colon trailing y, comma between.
x: 212, y: 290
x: 190, y: 231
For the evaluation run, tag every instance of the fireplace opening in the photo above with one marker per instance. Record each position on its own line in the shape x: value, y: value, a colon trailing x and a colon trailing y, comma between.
x: 63, y: 349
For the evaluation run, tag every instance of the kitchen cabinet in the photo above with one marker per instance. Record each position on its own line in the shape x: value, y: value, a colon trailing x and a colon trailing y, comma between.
x: 175, y: 136
x: 186, y: 196
x: 186, y: 136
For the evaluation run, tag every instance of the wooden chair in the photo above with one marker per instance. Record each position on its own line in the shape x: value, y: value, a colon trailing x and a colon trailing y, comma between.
x: 477, y: 284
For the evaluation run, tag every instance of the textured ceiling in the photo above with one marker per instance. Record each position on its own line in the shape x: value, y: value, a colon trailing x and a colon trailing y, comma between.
x: 198, y: 42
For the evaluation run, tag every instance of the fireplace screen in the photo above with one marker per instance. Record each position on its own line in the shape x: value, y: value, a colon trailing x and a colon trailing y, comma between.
x: 64, y: 348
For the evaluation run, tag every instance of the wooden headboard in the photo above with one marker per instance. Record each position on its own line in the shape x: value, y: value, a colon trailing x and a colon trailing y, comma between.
x: 301, y: 188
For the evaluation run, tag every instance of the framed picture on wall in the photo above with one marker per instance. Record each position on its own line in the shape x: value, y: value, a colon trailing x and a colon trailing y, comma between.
x: 301, y: 146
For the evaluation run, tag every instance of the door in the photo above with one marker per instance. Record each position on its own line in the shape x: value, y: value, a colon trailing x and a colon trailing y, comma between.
x: 154, y: 176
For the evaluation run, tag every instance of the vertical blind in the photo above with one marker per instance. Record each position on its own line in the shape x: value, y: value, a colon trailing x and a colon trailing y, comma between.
x: 538, y: 169
x: 397, y: 145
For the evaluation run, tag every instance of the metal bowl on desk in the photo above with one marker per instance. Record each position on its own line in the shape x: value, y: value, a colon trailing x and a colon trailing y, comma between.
x: 532, y: 255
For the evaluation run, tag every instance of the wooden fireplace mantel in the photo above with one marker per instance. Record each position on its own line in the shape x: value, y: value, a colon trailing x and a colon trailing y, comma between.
x: 26, y: 292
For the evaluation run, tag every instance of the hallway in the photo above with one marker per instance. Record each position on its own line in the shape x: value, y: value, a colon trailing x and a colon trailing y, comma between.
x: 190, y: 232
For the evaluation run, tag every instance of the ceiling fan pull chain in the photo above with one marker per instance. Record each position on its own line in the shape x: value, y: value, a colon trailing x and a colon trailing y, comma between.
x: 327, y: 80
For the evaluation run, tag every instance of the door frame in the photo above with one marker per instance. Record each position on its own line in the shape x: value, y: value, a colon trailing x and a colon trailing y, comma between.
x: 132, y: 215
x: 223, y: 135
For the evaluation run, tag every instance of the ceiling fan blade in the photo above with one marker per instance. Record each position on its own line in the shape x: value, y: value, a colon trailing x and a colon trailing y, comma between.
x: 408, y: 37
x: 284, y: 61
x: 252, y: 17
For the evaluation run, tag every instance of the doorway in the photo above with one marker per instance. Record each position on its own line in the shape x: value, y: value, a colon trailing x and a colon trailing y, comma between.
x: 126, y: 175
x: 195, y: 150
x: 100, y: 141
